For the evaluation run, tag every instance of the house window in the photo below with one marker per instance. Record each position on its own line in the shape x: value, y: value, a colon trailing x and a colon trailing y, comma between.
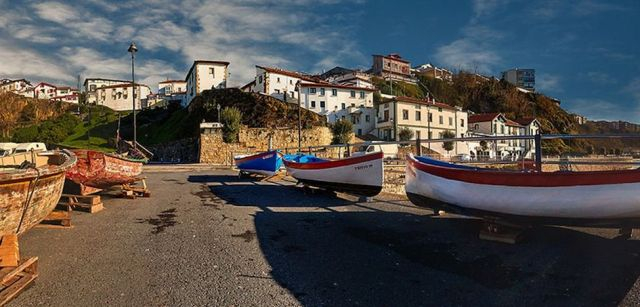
x: 322, y: 104
x: 405, y: 114
x: 418, y: 115
x: 92, y: 87
x: 362, y: 94
x: 430, y: 117
x: 475, y: 127
x: 290, y: 81
x: 334, y: 92
x: 359, y: 131
x: 321, y: 91
x: 461, y: 122
x: 313, y: 104
x: 278, y: 80
x: 292, y: 94
x: 277, y: 91
x: 212, y: 71
x: 441, y: 120
x: 353, y: 94
x: 439, y: 109
x: 260, y: 79
x: 386, y: 115
x: 344, y: 106
x: 450, y: 121
x: 312, y: 90
x: 367, y: 118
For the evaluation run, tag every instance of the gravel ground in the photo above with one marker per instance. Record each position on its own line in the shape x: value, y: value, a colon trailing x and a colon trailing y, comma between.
x: 208, y: 238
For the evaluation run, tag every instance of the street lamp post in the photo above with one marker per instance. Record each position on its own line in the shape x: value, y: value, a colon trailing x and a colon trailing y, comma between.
x: 299, y: 117
x: 218, y: 108
x: 133, y: 49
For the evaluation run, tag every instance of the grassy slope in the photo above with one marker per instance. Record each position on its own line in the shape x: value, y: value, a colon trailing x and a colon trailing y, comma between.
x: 102, y: 128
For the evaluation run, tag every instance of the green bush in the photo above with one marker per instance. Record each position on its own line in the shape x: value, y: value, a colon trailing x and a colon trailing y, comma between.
x: 230, y: 118
x: 341, y: 131
x: 26, y: 134
x: 405, y: 134
x: 448, y: 146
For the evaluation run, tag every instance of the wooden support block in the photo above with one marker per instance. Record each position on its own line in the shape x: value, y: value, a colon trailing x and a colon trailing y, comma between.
x: 9, y: 251
x: 501, y: 233
x: 17, y: 278
x: 57, y: 219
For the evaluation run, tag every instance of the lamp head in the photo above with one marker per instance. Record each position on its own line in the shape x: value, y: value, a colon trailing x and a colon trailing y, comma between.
x: 133, y: 48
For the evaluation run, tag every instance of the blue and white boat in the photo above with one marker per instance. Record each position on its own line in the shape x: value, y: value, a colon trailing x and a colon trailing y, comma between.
x: 265, y: 163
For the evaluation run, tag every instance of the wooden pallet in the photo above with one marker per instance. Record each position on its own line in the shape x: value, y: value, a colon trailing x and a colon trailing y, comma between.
x: 57, y: 219
x: 15, y: 275
x: 136, y: 189
x: 86, y: 203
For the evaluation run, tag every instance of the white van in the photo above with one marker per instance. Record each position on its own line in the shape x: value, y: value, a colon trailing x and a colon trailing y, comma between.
x: 390, y: 150
x: 26, y: 147
x: 7, y: 149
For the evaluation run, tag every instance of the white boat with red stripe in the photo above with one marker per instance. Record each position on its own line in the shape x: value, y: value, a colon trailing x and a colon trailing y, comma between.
x: 361, y: 175
x: 597, y: 199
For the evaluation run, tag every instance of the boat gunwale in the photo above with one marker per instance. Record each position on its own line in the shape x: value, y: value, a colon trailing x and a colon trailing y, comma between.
x: 20, y: 175
x: 334, y: 163
x: 527, y: 178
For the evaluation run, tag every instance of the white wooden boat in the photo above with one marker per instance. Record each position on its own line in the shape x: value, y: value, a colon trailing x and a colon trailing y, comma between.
x: 601, y: 198
x: 362, y: 175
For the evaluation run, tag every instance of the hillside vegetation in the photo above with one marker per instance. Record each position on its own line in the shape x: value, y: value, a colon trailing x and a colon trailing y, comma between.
x: 257, y: 111
x: 485, y: 96
x: 17, y: 111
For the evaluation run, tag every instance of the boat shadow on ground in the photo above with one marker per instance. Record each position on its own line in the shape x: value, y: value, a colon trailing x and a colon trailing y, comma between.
x: 401, y: 259
x: 263, y: 194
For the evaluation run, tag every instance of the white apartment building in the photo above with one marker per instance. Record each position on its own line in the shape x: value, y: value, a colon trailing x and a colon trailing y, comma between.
x: 206, y: 75
x: 278, y: 83
x: 496, y: 124
x: 91, y: 85
x: 66, y: 94
x: 19, y: 86
x: 427, y: 119
x: 350, y: 77
x: 432, y: 71
x: 44, y: 91
x: 119, y: 97
x: 169, y: 87
x: 337, y: 101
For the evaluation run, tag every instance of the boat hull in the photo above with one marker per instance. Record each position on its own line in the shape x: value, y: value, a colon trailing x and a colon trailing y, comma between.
x: 266, y: 163
x: 30, y: 195
x: 361, y: 175
x: 98, y: 170
x: 551, y: 198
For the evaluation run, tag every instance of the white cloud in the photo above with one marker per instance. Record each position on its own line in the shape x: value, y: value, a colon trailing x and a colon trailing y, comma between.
x: 55, y: 11
x: 24, y: 62
x: 548, y: 83
x: 601, y: 77
x: 600, y: 109
x: 473, y: 52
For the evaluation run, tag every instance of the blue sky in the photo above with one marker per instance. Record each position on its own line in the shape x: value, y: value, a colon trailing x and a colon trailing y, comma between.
x: 585, y: 52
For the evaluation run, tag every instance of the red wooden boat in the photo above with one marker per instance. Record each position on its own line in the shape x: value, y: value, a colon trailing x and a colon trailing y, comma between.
x: 97, y: 170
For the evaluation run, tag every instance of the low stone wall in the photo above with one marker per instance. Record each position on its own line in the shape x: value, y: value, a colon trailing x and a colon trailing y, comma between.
x: 180, y: 151
x: 213, y: 150
x: 394, y: 179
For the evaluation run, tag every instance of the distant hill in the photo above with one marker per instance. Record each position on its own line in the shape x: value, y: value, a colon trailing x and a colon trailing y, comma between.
x: 481, y: 95
x: 17, y: 111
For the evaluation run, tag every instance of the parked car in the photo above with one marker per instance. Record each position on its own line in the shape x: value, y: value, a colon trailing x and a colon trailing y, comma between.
x: 461, y: 158
x: 390, y: 150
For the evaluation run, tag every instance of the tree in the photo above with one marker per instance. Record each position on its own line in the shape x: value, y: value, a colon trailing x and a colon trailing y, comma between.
x: 448, y: 146
x: 405, y: 134
x: 484, y: 145
x: 230, y: 118
x: 341, y: 130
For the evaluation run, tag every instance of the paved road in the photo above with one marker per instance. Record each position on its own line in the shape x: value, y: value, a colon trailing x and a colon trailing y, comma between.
x: 207, y: 238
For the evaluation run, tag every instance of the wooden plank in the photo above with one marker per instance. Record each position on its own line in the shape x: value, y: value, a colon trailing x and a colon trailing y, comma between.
x: 18, y: 279
x: 9, y: 251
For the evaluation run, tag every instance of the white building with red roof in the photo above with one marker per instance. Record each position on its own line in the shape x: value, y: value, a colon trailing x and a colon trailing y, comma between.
x: 119, y: 97
x: 19, y: 86
x: 392, y: 66
x: 205, y: 75
x: 278, y: 83
x: 45, y: 91
x: 497, y: 124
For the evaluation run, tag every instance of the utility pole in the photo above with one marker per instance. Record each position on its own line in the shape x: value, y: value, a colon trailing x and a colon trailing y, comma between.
x: 78, y: 94
x: 133, y: 49
x: 299, y: 117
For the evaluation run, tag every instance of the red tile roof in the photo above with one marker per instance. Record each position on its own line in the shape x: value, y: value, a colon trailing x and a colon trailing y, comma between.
x: 393, y: 56
x: 196, y: 62
x: 121, y: 85
x: 512, y: 123
x: 331, y: 85
x: 47, y: 84
x: 289, y: 73
x: 483, y: 117
x: 171, y: 81
x: 525, y: 120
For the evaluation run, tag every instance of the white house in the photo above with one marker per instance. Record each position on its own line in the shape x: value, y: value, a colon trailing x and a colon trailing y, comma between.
x: 44, y: 91
x: 345, y: 76
x: 278, y: 83
x: 206, y: 75
x: 496, y: 124
x: 91, y: 85
x: 66, y: 94
x: 169, y: 87
x: 119, y: 97
x: 363, y: 119
x: 19, y: 86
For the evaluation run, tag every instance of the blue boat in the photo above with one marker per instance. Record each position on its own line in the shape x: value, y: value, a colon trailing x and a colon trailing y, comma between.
x: 266, y: 163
